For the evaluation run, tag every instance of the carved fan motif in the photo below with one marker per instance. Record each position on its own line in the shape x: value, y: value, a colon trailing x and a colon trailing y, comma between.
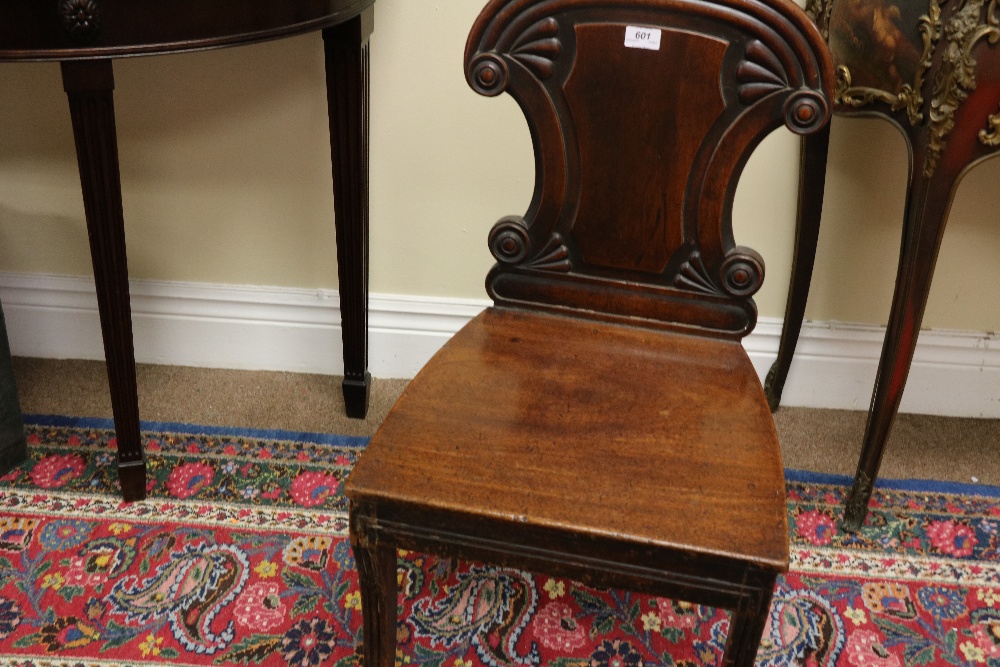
x: 554, y: 257
x: 760, y: 74
x: 538, y: 48
x: 694, y: 277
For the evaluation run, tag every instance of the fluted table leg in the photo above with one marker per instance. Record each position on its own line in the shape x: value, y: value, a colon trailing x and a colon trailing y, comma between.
x: 89, y: 84
x: 347, y: 76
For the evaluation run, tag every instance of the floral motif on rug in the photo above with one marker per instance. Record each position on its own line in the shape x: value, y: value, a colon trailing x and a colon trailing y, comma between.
x: 240, y: 557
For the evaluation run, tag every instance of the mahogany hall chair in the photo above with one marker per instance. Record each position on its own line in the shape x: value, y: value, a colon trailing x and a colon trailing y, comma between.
x: 602, y: 421
x: 932, y: 69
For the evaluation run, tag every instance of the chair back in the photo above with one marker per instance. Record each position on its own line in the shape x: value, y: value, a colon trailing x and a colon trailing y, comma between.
x: 642, y: 114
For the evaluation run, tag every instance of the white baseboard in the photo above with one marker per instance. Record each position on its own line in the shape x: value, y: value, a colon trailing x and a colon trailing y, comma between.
x: 954, y: 373
x: 273, y: 328
x: 225, y: 326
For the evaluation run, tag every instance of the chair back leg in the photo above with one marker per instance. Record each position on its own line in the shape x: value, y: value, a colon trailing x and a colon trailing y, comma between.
x: 379, y: 591
x: 746, y: 627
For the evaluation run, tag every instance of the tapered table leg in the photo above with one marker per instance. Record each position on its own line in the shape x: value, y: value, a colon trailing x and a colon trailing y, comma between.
x: 13, y: 446
x: 347, y: 77
x: 89, y: 84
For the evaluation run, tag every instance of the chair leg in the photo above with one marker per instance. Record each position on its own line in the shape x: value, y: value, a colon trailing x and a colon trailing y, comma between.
x: 812, y: 182
x: 377, y: 579
x: 89, y: 85
x: 746, y: 626
x: 928, y: 202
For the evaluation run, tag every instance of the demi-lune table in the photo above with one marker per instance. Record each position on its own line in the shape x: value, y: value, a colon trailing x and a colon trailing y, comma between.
x: 85, y: 36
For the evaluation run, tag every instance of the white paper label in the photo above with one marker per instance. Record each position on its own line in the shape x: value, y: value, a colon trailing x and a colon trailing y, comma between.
x: 637, y: 37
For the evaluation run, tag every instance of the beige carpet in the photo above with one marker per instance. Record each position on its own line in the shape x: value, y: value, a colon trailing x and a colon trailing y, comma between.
x: 821, y: 440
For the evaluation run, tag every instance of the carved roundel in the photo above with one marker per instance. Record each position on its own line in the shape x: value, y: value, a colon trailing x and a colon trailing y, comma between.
x: 806, y: 111
x: 742, y: 272
x: 81, y: 19
x: 509, y: 241
x: 488, y: 75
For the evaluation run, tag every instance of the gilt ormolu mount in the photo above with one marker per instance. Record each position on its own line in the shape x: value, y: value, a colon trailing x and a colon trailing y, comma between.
x: 885, y: 51
x: 931, y: 67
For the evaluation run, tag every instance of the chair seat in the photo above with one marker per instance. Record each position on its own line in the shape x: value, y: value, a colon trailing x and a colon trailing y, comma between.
x: 563, y: 425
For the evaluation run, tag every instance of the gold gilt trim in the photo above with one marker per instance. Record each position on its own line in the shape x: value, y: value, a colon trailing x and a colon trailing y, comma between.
x: 909, y: 97
x: 991, y: 135
x: 957, y: 77
x: 819, y: 11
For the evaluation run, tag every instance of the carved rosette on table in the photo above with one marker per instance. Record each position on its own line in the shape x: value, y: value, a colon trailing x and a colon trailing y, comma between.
x: 949, y: 30
x: 81, y: 19
x: 530, y: 52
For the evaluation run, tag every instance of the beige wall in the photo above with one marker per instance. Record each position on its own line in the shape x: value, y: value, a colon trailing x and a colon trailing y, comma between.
x: 226, y: 179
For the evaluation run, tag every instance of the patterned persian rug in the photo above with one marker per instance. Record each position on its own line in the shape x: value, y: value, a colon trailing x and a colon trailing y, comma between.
x: 240, y: 557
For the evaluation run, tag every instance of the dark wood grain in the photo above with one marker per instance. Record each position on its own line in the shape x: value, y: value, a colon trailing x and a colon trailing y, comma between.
x: 379, y: 591
x: 943, y: 95
x: 33, y: 29
x: 602, y: 421
x: 715, y: 451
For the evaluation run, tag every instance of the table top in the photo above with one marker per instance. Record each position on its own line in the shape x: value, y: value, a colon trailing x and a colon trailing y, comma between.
x: 82, y: 29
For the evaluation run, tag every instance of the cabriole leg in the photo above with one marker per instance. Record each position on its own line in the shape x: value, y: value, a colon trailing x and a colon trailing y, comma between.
x: 926, y: 214
x: 812, y: 183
